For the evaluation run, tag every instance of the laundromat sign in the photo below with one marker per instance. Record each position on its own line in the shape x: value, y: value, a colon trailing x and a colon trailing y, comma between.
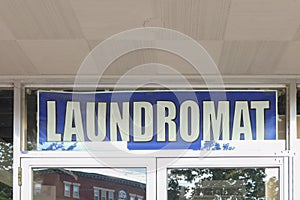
x: 155, y: 119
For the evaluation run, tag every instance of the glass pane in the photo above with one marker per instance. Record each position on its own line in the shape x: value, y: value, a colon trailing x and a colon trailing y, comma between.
x: 31, y: 115
x: 223, y: 183
x: 6, y: 143
x: 281, y: 114
x: 88, y: 183
x: 298, y: 114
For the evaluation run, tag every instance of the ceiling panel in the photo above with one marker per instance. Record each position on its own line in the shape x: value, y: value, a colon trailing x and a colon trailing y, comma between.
x: 250, y: 57
x: 13, y: 61
x: 93, y: 43
x: 213, y: 48
x: 267, y: 57
x: 36, y: 19
x: 297, y: 35
x: 242, y: 36
x: 128, y: 61
x: 237, y: 56
x: 200, y: 19
x: 130, y: 64
x: 5, y: 33
x: 262, y: 20
x: 289, y: 62
x: 101, y: 19
x: 56, y: 56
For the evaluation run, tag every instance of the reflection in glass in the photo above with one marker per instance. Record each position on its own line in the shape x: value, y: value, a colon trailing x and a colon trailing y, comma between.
x: 6, y: 144
x: 31, y: 114
x: 6, y: 161
x: 223, y: 183
x: 92, y: 183
x: 298, y: 114
x: 281, y: 135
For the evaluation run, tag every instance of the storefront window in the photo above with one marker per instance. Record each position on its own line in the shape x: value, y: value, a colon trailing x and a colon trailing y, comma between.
x: 32, y: 109
x: 223, y: 183
x: 87, y: 183
x: 6, y: 143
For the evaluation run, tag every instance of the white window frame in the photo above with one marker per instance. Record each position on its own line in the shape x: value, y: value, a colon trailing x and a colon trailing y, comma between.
x: 98, y: 191
x: 69, y: 184
x: 109, y: 191
x: 77, y: 196
x: 37, y: 188
x: 25, y: 159
x: 140, y: 197
x: 163, y: 164
x: 132, y: 196
x: 110, y: 195
x: 103, y: 194
x: 28, y: 164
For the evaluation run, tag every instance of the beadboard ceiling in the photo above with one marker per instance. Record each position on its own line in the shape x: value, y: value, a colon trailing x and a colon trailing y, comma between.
x: 244, y: 37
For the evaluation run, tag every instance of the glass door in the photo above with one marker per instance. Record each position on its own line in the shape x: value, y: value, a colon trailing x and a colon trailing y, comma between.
x: 88, y: 178
x: 221, y: 178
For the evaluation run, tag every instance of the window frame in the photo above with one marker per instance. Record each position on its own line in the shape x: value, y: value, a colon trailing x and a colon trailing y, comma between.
x: 278, y: 145
x: 254, y: 81
x: 76, y: 194
x: 103, y: 194
x: 110, y: 195
x: 28, y: 164
x: 66, y: 192
x: 140, y: 197
x: 98, y: 193
x: 210, y: 162
x: 132, y: 196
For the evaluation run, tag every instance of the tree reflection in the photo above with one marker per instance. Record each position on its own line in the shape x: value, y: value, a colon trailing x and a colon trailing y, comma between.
x: 220, y: 184
x: 6, y: 160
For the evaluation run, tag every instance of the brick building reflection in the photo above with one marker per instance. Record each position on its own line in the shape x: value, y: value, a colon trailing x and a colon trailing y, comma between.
x: 62, y: 184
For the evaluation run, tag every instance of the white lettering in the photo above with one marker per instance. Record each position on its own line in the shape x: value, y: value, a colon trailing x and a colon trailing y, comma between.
x: 73, y: 112
x: 241, y: 121
x: 163, y: 119
x: 211, y: 121
x: 193, y: 107
x: 52, y: 136
x: 260, y: 107
x: 118, y: 121
x: 138, y: 134
x: 90, y: 121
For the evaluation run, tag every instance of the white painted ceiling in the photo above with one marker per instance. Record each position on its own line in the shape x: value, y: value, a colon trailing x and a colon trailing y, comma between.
x: 244, y: 37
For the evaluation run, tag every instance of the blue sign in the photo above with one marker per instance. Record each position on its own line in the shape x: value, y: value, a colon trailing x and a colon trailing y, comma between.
x: 155, y: 119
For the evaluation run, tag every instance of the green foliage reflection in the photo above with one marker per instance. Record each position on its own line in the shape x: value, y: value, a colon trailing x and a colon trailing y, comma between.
x: 6, y: 161
x: 220, y: 183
